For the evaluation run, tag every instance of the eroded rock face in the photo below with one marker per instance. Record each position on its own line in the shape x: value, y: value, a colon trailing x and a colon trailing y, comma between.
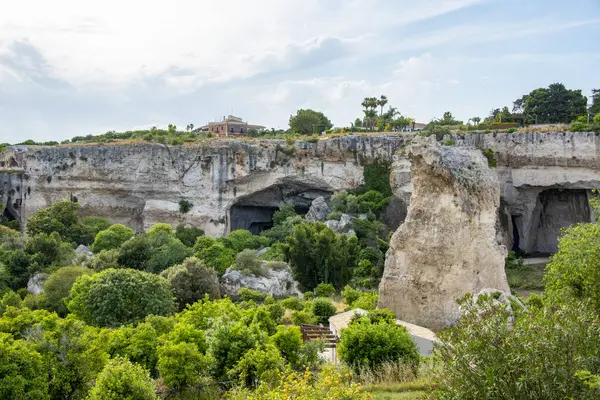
x: 318, y: 210
x: 447, y: 246
x: 278, y: 282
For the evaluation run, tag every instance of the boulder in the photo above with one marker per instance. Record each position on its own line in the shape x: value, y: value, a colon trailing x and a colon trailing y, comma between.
x: 82, y: 249
x: 318, y: 210
x: 35, y: 284
x: 277, y: 282
x: 447, y: 246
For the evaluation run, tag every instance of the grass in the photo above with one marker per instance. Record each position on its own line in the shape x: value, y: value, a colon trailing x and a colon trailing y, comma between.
x: 393, y: 381
x: 525, y: 279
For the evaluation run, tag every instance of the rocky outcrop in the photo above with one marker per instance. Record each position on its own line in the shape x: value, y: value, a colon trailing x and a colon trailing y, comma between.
x: 447, y: 246
x: 232, y: 184
x: 318, y: 210
x: 35, y: 284
x: 277, y: 282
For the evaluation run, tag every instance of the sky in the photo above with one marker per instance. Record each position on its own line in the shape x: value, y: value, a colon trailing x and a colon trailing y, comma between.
x: 72, y: 67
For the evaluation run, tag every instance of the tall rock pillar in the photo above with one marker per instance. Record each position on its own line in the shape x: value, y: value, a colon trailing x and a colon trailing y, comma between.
x: 447, y: 246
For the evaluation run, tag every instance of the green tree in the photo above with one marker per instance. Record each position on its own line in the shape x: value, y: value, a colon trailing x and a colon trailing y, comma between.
x: 218, y: 257
x: 23, y: 374
x: 323, y: 308
x: 188, y: 235
x: 48, y: 249
x: 554, y: 104
x: 135, y: 252
x: 115, y: 297
x: 73, y: 353
x: 58, y: 286
x: 60, y: 217
x: 367, y: 344
x: 307, y: 122
x: 111, y: 238
x: 191, y: 281
x: 381, y: 102
x: 182, y: 364
x: 260, y: 364
x: 317, y: 254
x: 123, y: 380
x: 476, y: 120
x: 595, y: 107
x: 574, y: 270
x: 324, y: 290
x: 448, y: 119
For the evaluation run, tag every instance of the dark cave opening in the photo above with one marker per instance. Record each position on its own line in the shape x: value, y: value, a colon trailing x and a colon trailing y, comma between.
x: 254, y: 212
x: 555, y: 209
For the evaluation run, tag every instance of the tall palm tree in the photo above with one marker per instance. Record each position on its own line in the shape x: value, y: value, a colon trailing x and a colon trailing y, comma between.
x: 382, y: 101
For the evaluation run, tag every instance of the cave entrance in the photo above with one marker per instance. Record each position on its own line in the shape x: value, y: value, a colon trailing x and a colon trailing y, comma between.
x: 254, y: 212
x: 556, y: 209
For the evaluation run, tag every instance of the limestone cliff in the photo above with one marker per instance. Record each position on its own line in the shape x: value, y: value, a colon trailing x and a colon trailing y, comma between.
x: 447, y: 245
x: 231, y: 183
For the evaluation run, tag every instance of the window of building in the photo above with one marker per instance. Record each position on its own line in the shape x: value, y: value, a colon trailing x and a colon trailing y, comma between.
x: 231, y: 130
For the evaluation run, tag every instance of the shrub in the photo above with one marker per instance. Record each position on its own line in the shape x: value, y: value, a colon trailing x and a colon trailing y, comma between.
x: 188, y: 235
x: 260, y: 364
x: 545, y: 347
x: 303, y: 317
x: 323, y: 308
x: 579, y: 127
x: 246, y: 262
x: 23, y: 374
x: 218, y: 257
x: 512, y: 130
x: 449, y: 142
x: 58, y: 286
x: 104, y: 260
x: 181, y: 364
x: 191, y: 281
x: 324, y: 290
x: 292, y: 303
x: 334, y: 216
x: 366, y: 301
x: 491, y: 157
x: 121, y: 379
x: 285, y: 211
x: 249, y: 294
x: 120, y: 296
x: 367, y: 344
x: 330, y: 384
x: 185, y: 206
x: 111, y: 238
x: 350, y: 295
x: 308, y: 295
x: 574, y: 270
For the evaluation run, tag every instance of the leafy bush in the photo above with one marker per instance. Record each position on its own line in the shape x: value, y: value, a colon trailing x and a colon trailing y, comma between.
x: 286, y: 210
x: 218, y: 257
x: 491, y: 157
x: 292, y: 303
x: 334, y: 216
x: 191, y: 281
x: 364, y: 343
x: 574, y: 270
x: 324, y: 290
x: 115, y: 297
x: 303, y: 317
x: 260, y: 364
x: 104, y: 260
x: 188, y: 235
x: 185, y: 206
x: 323, y: 308
x: 60, y: 217
x: 330, y: 384
x: 23, y: 373
x: 111, y: 238
x: 366, y: 301
x: 121, y: 379
x: 182, y: 363
x: 512, y: 130
x: 317, y: 254
x: 350, y: 295
x: 58, y: 286
x: 247, y: 263
x: 579, y: 127
x: 250, y: 294
x: 377, y: 177
x: 544, y: 346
